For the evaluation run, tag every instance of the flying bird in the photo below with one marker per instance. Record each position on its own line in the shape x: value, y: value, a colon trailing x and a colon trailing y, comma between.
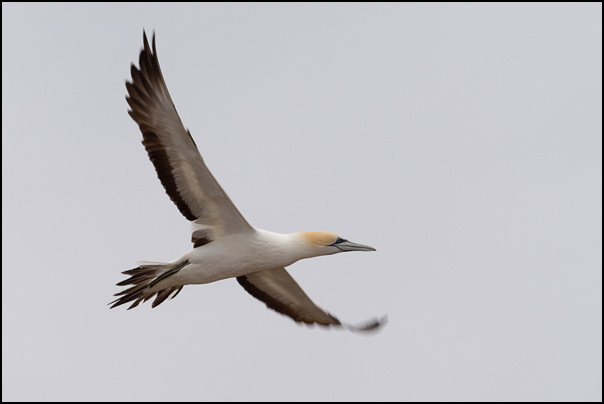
x: 225, y: 245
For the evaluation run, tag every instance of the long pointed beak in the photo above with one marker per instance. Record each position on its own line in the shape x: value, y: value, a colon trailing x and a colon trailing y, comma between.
x: 350, y: 246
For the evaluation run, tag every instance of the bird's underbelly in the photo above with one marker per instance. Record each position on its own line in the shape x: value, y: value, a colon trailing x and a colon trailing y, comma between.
x: 211, y: 266
x: 204, y: 273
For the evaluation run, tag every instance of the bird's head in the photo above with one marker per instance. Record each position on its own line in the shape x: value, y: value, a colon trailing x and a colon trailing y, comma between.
x: 325, y: 243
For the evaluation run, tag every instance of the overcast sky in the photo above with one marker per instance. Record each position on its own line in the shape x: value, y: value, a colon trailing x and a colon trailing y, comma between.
x: 463, y: 141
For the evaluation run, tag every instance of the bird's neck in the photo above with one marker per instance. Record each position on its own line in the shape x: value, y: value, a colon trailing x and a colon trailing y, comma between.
x: 290, y: 247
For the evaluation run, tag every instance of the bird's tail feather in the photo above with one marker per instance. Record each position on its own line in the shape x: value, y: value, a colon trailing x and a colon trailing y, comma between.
x: 143, y: 278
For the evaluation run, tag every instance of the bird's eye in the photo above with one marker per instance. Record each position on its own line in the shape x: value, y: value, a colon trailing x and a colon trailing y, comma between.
x: 339, y: 240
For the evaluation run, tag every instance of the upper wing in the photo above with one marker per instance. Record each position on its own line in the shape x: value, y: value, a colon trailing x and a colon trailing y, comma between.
x: 281, y: 293
x: 179, y: 166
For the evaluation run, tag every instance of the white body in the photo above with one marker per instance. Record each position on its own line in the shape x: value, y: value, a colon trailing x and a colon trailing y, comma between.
x: 241, y: 254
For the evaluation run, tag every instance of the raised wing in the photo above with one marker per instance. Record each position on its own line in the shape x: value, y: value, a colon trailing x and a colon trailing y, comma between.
x: 178, y: 163
x: 281, y: 293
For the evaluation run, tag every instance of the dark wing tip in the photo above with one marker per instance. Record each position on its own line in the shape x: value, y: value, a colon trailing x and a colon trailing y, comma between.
x: 372, y: 325
x: 145, y: 41
x: 146, y: 46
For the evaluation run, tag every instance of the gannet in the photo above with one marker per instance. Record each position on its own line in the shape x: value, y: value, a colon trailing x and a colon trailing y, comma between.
x: 225, y: 245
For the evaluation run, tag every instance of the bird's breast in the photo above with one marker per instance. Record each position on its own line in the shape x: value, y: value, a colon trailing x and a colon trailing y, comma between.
x: 234, y: 256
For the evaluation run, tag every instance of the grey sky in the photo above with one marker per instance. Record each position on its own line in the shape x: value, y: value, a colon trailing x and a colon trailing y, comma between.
x: 463, y: 141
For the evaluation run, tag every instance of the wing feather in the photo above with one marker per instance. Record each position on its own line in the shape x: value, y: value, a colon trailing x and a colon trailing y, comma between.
x: 173, y: 152
x: 280, y: 292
